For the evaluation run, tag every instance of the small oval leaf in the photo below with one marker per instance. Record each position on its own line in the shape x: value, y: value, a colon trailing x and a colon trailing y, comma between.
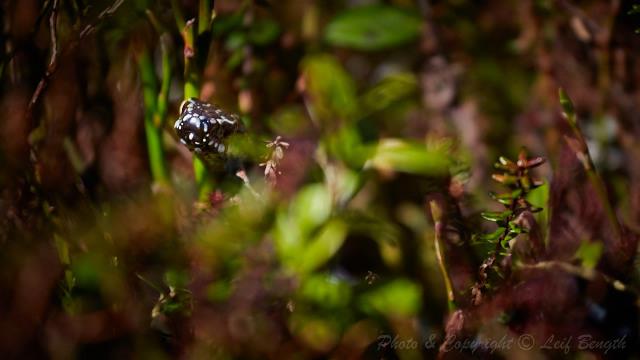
x: 495, y: 216
x: 372, y: 28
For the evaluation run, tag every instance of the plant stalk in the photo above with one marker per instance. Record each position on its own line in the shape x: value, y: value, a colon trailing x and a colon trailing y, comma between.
x: 191, y: 83
x: 437, y: 214
x: 582, y: 152
x: 153, y: 131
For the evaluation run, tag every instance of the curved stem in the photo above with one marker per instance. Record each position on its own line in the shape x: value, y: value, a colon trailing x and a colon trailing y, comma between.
x: 436, y: 213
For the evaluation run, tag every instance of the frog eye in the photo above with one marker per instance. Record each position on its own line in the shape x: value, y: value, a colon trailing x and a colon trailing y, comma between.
x: 182, y: 106
x: 187, y: 102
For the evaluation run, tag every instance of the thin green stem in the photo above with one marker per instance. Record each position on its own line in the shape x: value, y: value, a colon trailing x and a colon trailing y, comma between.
x: 177, y: 13
x: 157, y: 25
x: 191, y: 88
x: 156, y: 153
x: 437, y: 214
x: 582, y: 152
x: 204, y: 16
x: 153, y: 133
x: 163, y: 95
x: 191, y: 78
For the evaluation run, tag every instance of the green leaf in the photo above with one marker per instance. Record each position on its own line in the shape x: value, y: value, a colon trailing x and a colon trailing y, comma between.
x: 288, y: 239
x: 38, y: 134
x: 326, y: 291
x: 225, y: 24
x: 515, y: 228
x: 504, y: 199
x: 323, y: 246
x: 236, y: 59
x: 390, y: 90
x: 495, y: 216
x: 589, y: 253
x: 373, y: 28
x: 398, y: 298
x: 311, y: 207
x: 264, y: 32
x: 89, y: 271
x: 219, y: 291
x: 63, y: 249
x: 176, y: 278
x: 539, y: 200
x: 490, y: 237
x: 346, y: 145
x: 567, y: 107
x: 236, y: 41
x: 505, y: 179
x: 295, y: 227
x: 289, y: 120
x: 331, y: 89
x: 505, y: 241
x: 506, y: 164
x: 413, y: 158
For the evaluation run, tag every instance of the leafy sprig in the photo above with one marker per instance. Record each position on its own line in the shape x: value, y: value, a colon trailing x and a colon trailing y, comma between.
x: 516, y: 177
x: 272, y: 160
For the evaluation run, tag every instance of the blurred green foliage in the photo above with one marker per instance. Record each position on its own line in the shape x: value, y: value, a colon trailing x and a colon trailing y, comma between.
x: 373, y: 28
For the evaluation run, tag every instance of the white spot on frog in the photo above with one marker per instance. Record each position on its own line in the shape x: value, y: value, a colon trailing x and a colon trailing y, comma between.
x: 195, y: 122
x: 224, y: 119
